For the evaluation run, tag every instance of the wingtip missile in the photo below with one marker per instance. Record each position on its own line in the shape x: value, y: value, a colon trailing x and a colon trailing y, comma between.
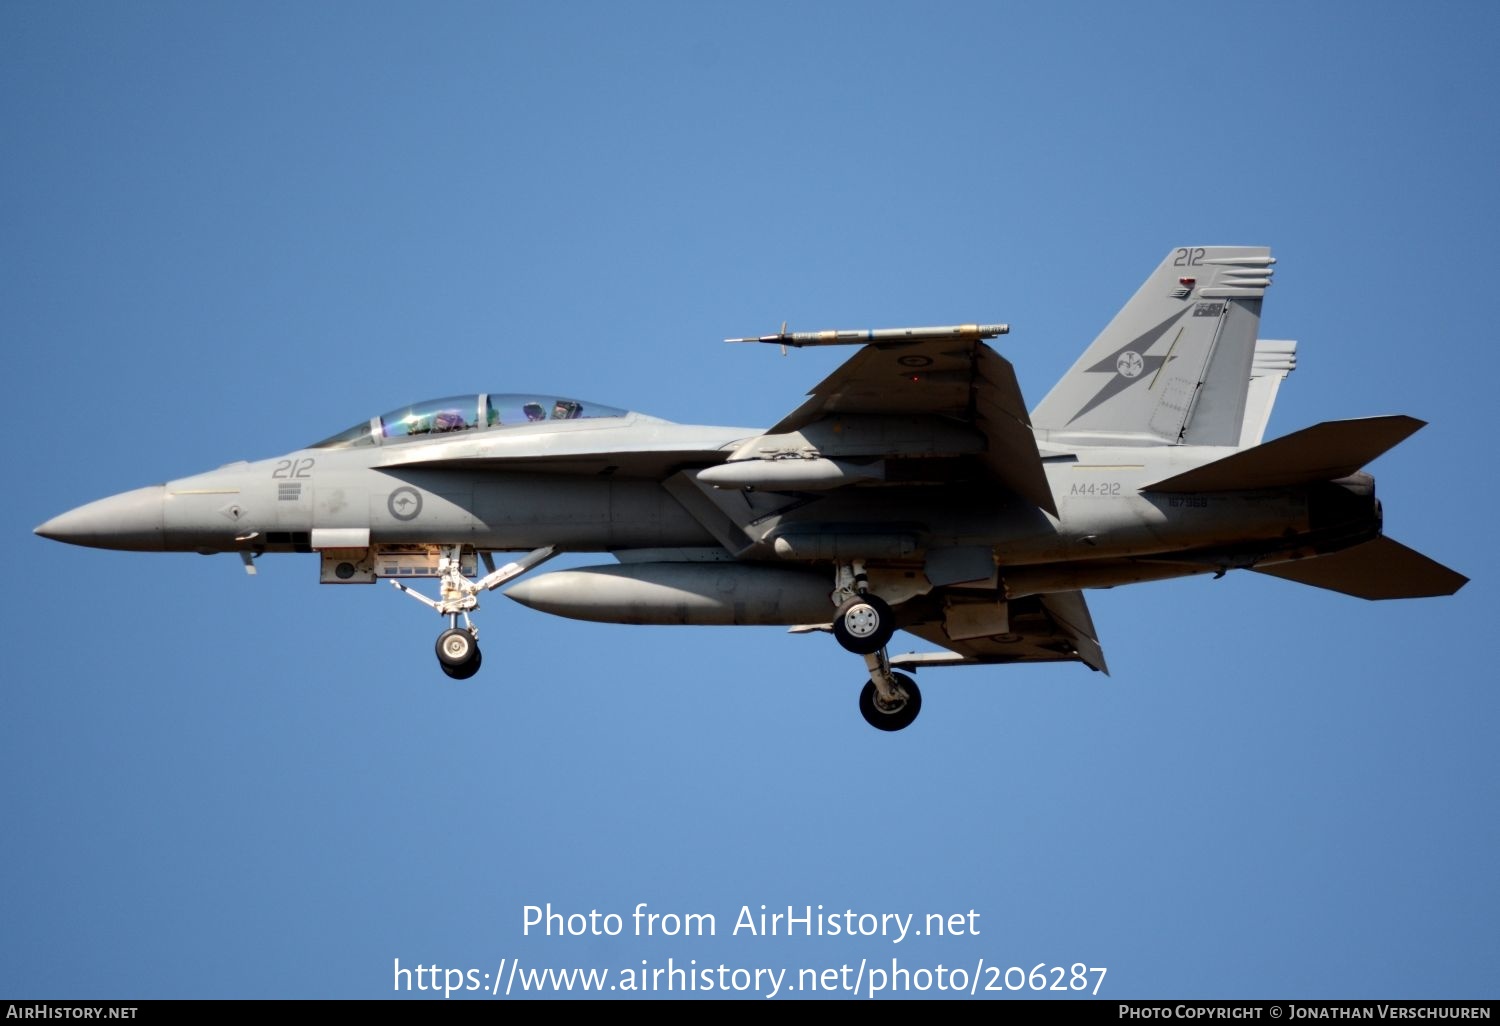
x: 865, y: 336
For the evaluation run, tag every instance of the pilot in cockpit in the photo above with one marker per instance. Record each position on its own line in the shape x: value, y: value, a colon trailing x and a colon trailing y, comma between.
x: 449, y: 420
x: 534, y: 411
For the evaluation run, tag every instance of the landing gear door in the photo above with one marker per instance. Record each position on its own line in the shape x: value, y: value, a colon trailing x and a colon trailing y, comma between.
x: 345, y: 555
x: 346, y: 566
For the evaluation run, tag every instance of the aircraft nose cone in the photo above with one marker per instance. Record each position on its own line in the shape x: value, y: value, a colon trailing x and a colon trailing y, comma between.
x: 130, y: 520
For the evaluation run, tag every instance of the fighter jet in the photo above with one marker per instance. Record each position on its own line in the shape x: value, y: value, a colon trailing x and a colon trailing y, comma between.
x: 911, y: 491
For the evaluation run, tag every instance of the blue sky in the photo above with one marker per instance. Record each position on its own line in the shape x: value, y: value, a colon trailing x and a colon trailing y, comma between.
x: 232, y: 229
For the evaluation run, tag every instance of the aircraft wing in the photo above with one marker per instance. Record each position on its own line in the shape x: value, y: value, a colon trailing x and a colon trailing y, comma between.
x: 962, y: 380
x: 1041, y: 628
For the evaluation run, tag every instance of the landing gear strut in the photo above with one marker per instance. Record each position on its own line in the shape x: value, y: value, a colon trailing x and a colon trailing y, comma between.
x: 458, y: 647
x: 864, y: 624
x: 889, y: 700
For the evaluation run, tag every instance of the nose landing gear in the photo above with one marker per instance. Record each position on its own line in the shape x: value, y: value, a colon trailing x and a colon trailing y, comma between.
x: 458, y: 647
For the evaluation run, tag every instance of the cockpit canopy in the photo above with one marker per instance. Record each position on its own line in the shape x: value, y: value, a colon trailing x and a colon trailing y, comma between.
x: 464, y: 413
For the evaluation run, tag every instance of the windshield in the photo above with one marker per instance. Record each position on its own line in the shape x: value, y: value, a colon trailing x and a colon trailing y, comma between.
x: 464, y: 413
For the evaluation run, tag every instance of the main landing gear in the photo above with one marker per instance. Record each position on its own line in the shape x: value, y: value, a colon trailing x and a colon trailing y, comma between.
x: 864, y: 624
x: 892, y: 707
x: 458, y: 647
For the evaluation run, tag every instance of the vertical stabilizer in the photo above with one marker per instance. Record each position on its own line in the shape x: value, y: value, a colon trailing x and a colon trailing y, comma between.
x: 1174, y: 365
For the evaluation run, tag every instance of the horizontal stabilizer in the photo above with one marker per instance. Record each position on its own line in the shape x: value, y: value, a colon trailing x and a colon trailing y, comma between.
x: 1379, y: 569
x: 1323, y: 452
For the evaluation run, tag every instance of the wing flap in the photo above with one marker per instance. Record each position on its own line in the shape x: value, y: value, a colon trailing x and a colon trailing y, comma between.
x: 1043, y: 629
x: 1378, y: 569
x: 1000, y: 414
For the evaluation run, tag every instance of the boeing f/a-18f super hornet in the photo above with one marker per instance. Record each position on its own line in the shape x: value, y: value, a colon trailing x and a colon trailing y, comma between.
x: 911, y: 492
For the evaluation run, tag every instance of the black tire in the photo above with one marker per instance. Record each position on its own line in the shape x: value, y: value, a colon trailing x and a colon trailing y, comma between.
x: 456, y: 647
x: 891, y: 719
x: 864, y: 624
x: 467, y: 670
